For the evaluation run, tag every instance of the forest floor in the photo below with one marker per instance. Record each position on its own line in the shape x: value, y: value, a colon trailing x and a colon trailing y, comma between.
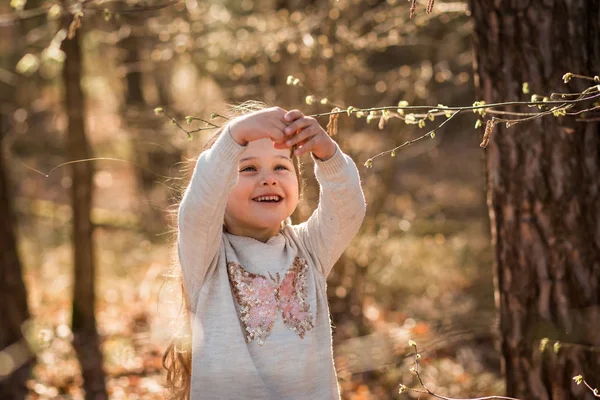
x: 431, y: 280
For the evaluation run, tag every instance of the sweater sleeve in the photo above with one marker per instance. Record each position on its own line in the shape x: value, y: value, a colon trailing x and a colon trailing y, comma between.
x: 202, y: 210
x: 339, y: 214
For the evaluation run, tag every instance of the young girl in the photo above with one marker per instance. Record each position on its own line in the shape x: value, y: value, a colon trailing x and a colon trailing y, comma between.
x: 256, y: 285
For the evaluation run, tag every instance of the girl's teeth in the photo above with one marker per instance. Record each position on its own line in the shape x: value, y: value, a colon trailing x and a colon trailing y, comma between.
x: 267, y: 198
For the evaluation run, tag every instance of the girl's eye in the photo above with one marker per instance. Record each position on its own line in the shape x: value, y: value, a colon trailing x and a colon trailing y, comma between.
x: 251, y: 168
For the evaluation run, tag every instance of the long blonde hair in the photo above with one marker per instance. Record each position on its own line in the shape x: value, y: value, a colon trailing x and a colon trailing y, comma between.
x: 177, y: 359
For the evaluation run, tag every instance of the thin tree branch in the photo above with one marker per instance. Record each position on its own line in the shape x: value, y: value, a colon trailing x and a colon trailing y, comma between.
x: 409, y: 142
x: 415, y: 370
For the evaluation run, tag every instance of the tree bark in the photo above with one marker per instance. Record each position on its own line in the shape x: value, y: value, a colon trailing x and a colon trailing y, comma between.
x: 154, y: 162
x: 16, y: 359
x: 86, y: 340
x: 15, y: 355
x: 543, y: 194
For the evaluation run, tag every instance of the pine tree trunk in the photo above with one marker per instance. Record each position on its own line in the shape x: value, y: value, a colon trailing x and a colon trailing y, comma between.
x: 543, y: 194
x: 16, y: 359
x: 86, y: 340
x: 155, y: 163
x: 15, y: 356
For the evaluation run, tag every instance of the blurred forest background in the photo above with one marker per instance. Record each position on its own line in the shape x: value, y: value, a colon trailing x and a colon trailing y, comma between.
x: 421, y: 267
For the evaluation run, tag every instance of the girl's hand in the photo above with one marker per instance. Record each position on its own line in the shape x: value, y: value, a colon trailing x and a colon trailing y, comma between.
x: 307, y: 135
x: 267, y: 123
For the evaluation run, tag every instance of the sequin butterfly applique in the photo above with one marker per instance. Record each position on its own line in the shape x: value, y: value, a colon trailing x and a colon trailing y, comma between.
x: 260, y: 300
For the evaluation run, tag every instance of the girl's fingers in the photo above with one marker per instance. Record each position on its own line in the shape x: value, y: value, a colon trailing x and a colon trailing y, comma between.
x: 276, y: 132
x: 298, y: 140
x: 305, y: 146
x: 292, y: 115
x: 300, y: 137
x: 298, y: 124
x: 280, y: 145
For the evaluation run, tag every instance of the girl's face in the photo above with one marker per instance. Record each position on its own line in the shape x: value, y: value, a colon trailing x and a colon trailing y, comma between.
x: 266, y: 192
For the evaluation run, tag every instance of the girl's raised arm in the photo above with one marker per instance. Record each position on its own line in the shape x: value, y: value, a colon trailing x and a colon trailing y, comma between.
x: 342, y: 204
x: 340, y: 212
x: 202, y: 210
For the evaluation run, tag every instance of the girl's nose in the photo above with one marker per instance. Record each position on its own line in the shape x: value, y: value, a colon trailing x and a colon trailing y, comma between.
x: 269, y: 180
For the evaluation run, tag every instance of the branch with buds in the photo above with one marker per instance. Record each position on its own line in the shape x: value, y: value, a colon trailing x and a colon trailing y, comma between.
x: 556, y: 105
x: 579, y: 380
x: 557, y: 345
x: 425, y: 390
x: 544, y: 343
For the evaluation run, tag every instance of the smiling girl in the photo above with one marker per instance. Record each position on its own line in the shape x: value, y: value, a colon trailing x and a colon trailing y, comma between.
x: 255, y: 285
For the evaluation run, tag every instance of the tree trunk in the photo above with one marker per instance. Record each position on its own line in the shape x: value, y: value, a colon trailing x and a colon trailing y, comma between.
x: 16, y: 359
x: 15, y: 355
x: 86, y: 340
x: 543, y: 194
x: 155, y: 163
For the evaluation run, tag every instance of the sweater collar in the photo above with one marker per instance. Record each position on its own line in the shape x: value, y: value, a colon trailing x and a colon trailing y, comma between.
x: 249, y: 241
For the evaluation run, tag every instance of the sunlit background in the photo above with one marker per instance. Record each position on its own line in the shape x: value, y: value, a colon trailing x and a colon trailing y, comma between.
x: 421, y: 266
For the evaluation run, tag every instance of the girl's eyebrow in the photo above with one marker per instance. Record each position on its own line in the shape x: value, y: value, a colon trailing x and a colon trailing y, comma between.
x: 254, y: 158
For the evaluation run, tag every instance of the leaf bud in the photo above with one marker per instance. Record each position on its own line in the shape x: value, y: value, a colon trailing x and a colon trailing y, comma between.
x: 410, y: 119
x: 556, y: 347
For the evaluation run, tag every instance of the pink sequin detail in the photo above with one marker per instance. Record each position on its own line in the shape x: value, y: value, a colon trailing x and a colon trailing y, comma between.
x: 260, y: 299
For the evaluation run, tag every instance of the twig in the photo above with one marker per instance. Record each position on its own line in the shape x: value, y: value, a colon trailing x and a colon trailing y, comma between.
x: 559, y: 108
x: 415, y: 370
x: 160, y: 110
x: 409, y: 142
x: 153, y: 7
x: 579, y: 379
x: 47, y: 174
x: 465, y: 108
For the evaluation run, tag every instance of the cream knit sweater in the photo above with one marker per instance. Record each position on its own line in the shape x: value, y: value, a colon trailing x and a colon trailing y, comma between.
x: 260, y: 319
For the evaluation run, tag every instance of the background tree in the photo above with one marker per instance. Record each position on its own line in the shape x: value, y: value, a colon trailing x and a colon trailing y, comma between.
x: 15, y: 355
x: 543, y: 194
x: 85, y: 341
